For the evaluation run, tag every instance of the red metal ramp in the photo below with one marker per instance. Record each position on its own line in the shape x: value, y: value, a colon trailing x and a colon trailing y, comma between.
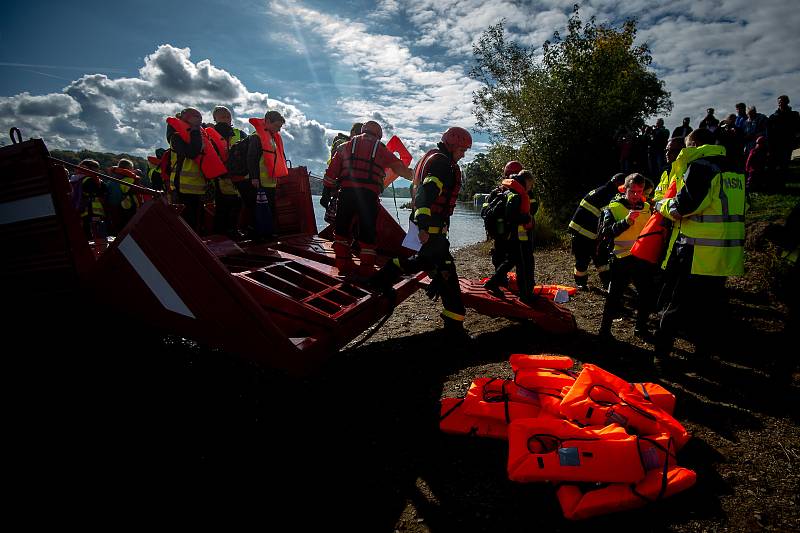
x: 547, y: 314
x: 44, y: 251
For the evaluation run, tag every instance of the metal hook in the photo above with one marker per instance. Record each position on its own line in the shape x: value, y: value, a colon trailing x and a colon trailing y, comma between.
x: 12, y: 133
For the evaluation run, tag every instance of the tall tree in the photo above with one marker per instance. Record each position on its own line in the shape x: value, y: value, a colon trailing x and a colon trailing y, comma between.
x: 564, y: 107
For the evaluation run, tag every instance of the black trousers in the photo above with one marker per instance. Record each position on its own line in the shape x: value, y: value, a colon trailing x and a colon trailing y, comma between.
x: 519, y: 256
x: 692, y: 303
x: 434, y: 257
x: 585, y: 251
x: 226, y: 215
x: 361, y: 204
x: 624, y: 271
x: 193, y: 210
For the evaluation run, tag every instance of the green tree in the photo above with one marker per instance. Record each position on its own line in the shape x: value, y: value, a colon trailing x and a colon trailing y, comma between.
x: 564, y: 107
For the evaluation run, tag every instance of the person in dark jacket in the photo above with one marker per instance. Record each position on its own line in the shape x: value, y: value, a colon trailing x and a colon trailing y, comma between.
x: 622, y: 223
x: 228, y: 203
x: 185, y: 176
x: 684, y: 129
x: 583, y: 231
x: 519, y: 245
x: 710, y: 122
x: 783, y: 132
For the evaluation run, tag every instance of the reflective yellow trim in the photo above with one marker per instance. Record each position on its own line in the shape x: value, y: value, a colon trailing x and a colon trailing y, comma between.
x: 424, y: 211
x: 434, y: 229
x: 589, y: 207
x: 586, y: 233
x: 434, y: 179
x: 452, y: 315
x: 396, y: 262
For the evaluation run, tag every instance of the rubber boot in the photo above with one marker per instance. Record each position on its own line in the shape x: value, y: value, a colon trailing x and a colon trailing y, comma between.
x: 385, y: 278
x: 366, y: 268
x: 582, y: 281
x: 454, y: 331
x: 605, y: 280
x: 344, y: 262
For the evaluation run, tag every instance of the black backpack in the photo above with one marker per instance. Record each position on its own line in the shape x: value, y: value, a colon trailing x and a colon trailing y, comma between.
x: 237, y: 158
x: 493, y: 213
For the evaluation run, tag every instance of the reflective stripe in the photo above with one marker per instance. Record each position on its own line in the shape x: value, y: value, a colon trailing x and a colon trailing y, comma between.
x: 718, y: 218
x: 434, y: 229
x: 424, y: 211
x: 434, y: 179
x: 589, y: 207
x: 582, y: 231
x: 148, y: 272
x: 396, y: 262
x: 27, y: 209
x: 721, y: 243
x: 368, y: 251
x: 454, y: 316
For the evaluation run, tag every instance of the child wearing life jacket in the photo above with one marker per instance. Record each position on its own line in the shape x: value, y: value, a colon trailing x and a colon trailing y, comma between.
x: 622, y: 222
x: 129, y: 200
x: 519, y: 244
x: 89, y: 197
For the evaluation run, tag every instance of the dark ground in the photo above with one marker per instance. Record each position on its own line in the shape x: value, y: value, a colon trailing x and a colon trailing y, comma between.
x: 126, y: 423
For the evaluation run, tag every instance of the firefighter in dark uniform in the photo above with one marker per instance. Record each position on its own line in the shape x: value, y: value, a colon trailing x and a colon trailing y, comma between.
x: 583, y: 229
x: 437, y: 181
x: 357, y: 170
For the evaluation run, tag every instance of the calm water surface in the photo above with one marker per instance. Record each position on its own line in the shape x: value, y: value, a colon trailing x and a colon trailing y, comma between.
x: 466, y: 225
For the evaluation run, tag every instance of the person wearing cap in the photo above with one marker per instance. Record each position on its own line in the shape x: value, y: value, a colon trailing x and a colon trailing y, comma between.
x: 583, y: 232
x: 519, y: 241
x: 357, y: 170
x: 498, y: 251
x: 622, y: 222
x: 435, y: 187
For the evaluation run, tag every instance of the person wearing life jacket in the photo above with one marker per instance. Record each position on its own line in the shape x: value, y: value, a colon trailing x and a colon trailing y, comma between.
x: 188, y: 184
x: 90, y: 194
x: 130, y: 200
x: 583, y: 232
x: 266, y: 162
x: 330, y: 193
x: 498, y: 251
x: 435, y: 187
x: 357, y: 171
x: 227, y: 202
x: 622, y: 222
x: 707, y: 244
x: 154, y: 170
x: 519, y: 245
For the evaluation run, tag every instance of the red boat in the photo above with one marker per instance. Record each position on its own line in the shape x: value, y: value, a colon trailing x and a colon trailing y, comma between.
x: 277, y: 303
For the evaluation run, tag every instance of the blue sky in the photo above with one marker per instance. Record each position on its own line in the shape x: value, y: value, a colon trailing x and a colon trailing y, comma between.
x: 103, y: 76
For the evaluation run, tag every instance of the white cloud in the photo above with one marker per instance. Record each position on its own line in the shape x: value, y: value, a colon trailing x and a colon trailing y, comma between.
x: 128, y: 114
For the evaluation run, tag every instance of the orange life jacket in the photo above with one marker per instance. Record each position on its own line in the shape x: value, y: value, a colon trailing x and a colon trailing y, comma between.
x: 658, y: 395
x: 598, y: 397
x: 579, y: 502
x: 209, y: 161
x: 130, y: 199
x: 274, y: 156
x: 359, y: 169
x: 446, y: 202
x: 503, y: 401
x: 219, y: 143
x: 652, y: 240
x: 523, y: 360
x: 544, y: 378
x: 453, y: 419
x: 553, y: 449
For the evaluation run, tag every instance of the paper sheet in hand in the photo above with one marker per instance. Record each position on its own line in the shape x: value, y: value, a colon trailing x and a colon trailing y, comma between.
x: 412, y: 238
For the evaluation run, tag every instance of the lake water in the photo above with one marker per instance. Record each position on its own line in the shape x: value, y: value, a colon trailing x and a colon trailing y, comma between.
x: 466, y: 225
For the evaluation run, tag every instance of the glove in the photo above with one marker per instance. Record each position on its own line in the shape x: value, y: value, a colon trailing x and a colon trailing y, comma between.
x: 326, y: 197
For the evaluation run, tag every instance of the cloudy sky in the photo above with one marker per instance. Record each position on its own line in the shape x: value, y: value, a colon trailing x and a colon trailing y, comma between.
x: 102, y: 76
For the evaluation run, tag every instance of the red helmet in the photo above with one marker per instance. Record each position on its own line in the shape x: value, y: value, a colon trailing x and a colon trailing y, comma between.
x: 512, y: 167
x: 372, y: 127
x: 456, y: 137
